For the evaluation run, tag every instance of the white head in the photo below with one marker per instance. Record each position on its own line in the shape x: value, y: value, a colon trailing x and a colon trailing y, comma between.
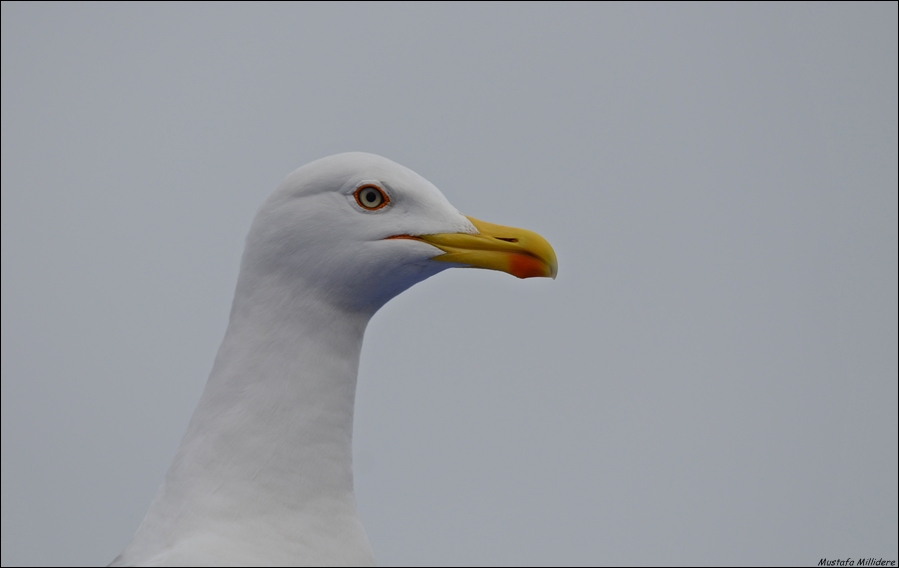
x: 356, y: 229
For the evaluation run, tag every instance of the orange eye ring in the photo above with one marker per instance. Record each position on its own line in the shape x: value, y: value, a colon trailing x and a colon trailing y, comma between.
x: 371, y: 197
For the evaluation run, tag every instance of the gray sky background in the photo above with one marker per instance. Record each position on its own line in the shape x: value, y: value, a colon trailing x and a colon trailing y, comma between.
x: 711, y: 379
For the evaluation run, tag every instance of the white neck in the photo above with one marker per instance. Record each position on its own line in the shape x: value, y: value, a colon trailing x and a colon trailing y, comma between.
x: 264, y: 472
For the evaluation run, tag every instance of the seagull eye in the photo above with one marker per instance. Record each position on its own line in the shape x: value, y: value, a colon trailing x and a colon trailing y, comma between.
x: 371, y: 197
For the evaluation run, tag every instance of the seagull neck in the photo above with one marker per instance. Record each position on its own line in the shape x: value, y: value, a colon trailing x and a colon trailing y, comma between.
x: 275, y: 422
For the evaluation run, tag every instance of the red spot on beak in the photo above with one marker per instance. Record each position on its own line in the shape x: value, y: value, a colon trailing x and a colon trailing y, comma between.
x: 525, y: 266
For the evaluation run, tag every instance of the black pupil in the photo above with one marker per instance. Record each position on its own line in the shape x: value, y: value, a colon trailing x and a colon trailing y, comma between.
x: 370, y: 196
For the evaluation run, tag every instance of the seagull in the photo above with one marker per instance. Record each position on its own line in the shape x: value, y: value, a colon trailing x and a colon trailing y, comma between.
x: 263, y: 475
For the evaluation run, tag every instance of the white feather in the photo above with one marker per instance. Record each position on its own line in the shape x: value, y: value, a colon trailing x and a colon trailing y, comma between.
x: 264, y: 473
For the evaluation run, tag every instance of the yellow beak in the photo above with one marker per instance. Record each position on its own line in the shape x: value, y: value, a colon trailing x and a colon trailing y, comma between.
x: 519, y: 252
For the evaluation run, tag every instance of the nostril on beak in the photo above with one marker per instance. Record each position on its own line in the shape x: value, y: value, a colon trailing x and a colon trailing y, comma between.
x: 508, y: 240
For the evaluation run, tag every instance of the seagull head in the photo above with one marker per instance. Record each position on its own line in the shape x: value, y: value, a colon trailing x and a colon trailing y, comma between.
x: 357, y: 229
